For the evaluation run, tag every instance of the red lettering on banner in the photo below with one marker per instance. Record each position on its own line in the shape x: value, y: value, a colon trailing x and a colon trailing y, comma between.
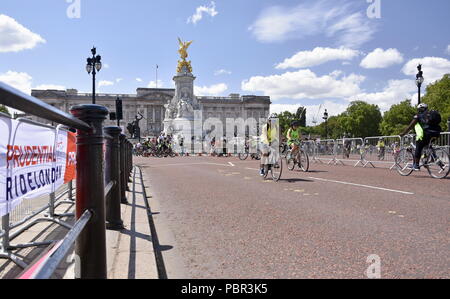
x: 21, y: 156
x: 71, y: 158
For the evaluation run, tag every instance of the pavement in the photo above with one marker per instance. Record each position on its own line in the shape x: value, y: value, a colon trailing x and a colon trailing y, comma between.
x: 219, y: 219
x: 130, y: 252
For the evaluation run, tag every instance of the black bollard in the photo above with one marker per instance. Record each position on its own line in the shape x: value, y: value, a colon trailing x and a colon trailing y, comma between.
x: 90, y: 247
x: 113, y: 215
x: 123, y: 170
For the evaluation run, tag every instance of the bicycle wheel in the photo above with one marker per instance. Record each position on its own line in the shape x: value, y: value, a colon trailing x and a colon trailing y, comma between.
x: 404, y: 162
x: 304, y: 161
x: 290, y: 161
x: 243, y: 157
x: 277, y: 168
x: 438, y: 163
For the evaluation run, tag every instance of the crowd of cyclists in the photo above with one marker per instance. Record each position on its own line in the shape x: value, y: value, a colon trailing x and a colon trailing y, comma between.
x: 155, y: 147
x: 293, y: 147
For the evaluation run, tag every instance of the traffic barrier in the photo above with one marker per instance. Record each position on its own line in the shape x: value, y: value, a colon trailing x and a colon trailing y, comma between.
x: 374, y: 153
x: 325, y: 151
x: 349, y: 149
x: 94, y: 183
x: 22, y: 205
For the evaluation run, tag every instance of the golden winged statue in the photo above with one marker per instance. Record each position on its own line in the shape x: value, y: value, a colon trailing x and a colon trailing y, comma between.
x: 183, y: 53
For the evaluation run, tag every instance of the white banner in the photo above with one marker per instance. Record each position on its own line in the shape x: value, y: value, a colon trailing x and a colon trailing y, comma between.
x: 33, y: 161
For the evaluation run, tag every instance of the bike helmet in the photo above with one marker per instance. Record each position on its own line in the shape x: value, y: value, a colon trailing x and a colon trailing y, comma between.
x: 422, y: 107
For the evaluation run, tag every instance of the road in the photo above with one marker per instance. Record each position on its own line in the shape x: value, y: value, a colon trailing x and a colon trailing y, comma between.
x: 216, y: 218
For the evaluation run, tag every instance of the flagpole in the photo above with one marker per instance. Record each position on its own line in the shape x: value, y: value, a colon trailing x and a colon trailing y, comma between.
x: 156, y: 76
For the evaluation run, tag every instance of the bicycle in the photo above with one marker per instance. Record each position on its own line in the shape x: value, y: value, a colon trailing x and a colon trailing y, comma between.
x: 275, y: 166
x: 301, y: 159
x: 435, y: 160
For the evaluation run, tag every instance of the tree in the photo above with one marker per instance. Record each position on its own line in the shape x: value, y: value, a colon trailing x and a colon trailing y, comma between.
x: 286, y: 118
x: 4, y: 110
x: 361, y: 119
x: 438, y: 98
x: 397, y: 118
x: 300, y: 115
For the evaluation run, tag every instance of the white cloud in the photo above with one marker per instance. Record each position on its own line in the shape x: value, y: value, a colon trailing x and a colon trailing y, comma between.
x: 317, y: 56
x: 304, y: 84
x: 222, y: 72
x: 209, y: 10
x: 213, y: 90
x: 352, y: 31
x: 380, y: 58
x: 106, y: 66
x: 50, y: 86
x: 434, y: 68
x: 139, y: 79
x: 118, y: 80
x: 20, y: 81
x: 448, y: 50
x: 152, y: 84
x: 105, y: 83
x: 395, y: 92
x: 336, y: 19
x: 14, y: 37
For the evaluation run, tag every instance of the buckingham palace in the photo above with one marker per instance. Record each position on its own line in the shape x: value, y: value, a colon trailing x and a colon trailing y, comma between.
x: 150, y: 103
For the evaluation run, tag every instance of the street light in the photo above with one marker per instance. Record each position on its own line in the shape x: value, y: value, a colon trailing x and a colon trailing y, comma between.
x: 325, y: 117
x: 93, y: 66
x: 419, y: 79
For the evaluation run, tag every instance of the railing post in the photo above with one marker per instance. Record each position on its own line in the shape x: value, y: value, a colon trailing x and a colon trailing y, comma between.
x: 70, y: 187
x: 90, y: 247
x: 123, y: 171
x: 130, y: 158
x: 113, y: 215
x: 5, y: 228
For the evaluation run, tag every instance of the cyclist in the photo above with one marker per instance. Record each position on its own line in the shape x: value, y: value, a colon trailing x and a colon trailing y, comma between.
x: 293, y: 138
x: 269, y: 134
x: 425, y: 131
x: 381, y: 149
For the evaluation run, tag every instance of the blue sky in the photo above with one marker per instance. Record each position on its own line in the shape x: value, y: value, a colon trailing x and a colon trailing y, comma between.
x: 312, y: 53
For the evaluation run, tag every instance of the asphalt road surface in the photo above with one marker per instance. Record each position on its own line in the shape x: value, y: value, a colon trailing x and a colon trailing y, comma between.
x: 216, y: 218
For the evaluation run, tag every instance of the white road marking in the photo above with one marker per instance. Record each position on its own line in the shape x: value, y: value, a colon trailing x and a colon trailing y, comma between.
x: 364, y: 186
x: 231, y: 164
x: 188, y: 164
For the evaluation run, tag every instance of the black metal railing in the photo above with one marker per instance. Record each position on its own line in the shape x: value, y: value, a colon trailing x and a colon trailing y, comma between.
x: 97, y: 199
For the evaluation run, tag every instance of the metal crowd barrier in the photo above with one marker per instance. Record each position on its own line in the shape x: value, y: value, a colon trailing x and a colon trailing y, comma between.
x: 99, y: 190
x: 373, y: 153
x: 325, y: 151
x: 348, y: 149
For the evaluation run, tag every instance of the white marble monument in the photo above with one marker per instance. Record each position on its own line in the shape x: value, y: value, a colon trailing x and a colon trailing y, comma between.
x: 180, y: 111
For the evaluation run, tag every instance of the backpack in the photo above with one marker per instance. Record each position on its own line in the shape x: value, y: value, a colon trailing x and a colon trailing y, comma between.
x: 433, y: 120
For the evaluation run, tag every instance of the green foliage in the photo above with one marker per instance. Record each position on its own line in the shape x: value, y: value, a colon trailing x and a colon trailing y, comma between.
x: 360, y: 120
x: 4, y: 110
x: 286, y: 118
x: 397, y: 118
x: 438, y: 98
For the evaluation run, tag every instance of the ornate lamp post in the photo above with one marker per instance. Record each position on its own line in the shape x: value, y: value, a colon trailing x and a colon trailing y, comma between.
x: 325, y: 117
x: 419, y: 80
x: 93, y: 66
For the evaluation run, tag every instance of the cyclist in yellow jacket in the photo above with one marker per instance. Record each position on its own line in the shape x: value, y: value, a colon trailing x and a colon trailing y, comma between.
x: 293, y: 137
x: 269, y: 135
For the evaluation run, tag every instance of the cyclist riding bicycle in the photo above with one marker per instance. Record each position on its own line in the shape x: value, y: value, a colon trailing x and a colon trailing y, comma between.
x: 293, y: 138
x: 269, y: 134
x: 426, y: 125
x: 381, y: 148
